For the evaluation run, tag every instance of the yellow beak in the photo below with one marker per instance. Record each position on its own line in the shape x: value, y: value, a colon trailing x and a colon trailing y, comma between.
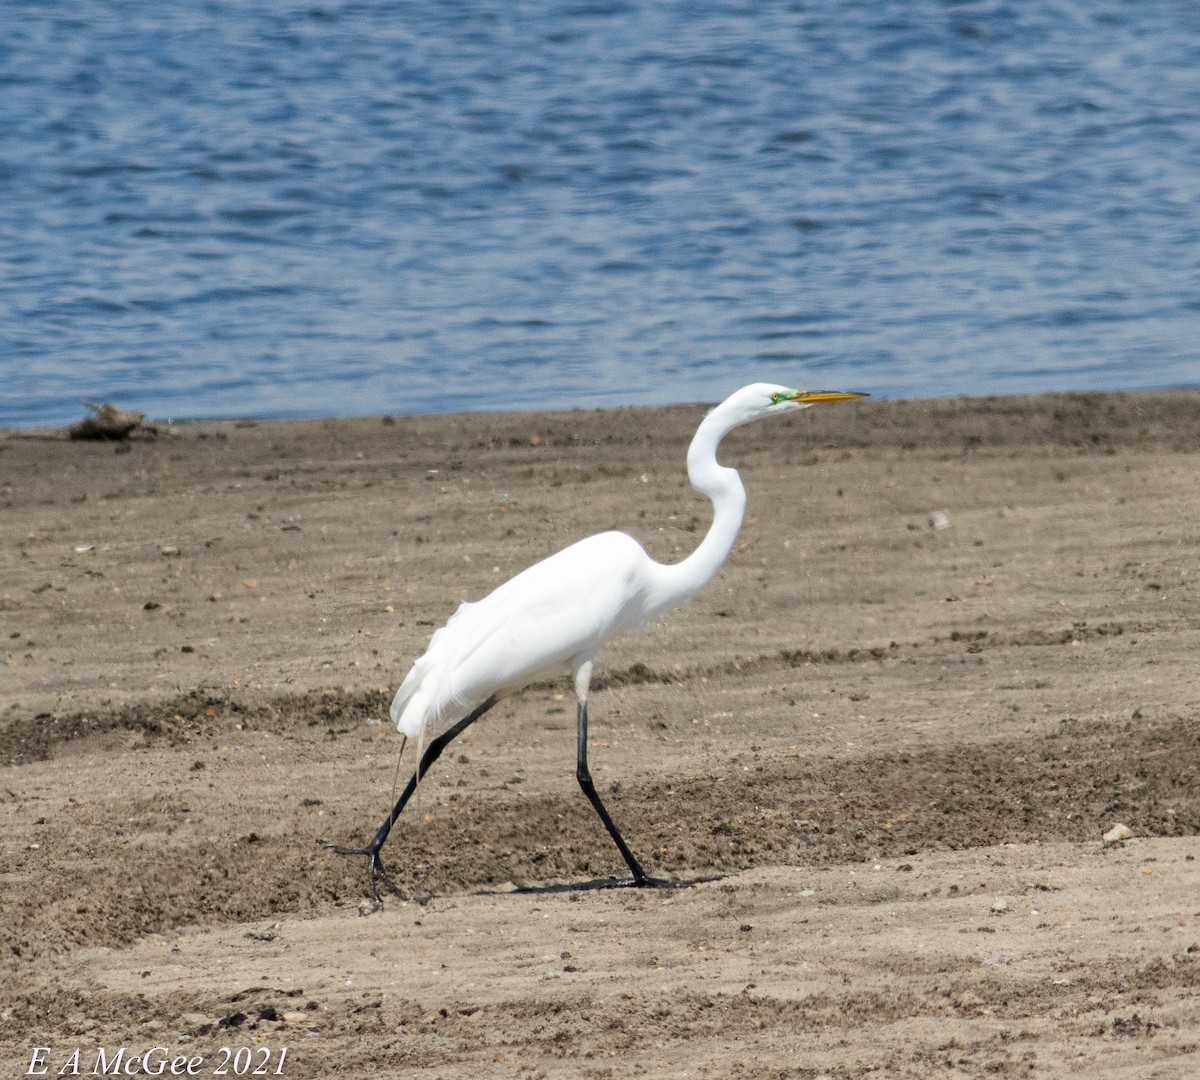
x: 813, y: 397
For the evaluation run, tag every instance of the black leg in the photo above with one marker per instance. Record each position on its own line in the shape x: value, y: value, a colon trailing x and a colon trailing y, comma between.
x: 589, y: 789
x: 432, y: 752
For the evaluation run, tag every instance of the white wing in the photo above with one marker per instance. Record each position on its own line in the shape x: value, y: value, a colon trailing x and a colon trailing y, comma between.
x: 533, y: 625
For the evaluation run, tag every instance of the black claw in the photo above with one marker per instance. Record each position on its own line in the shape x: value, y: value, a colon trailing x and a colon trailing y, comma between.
x: 374, y: 864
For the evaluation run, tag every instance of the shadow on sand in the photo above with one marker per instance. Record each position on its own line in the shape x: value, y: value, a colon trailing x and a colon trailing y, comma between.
x: 597, y: 884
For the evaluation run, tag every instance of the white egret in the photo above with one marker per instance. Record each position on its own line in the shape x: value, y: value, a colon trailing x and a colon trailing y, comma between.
x: 552, y: 617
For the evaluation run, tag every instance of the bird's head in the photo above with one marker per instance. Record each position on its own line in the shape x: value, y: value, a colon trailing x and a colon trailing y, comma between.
x: 767, y: 399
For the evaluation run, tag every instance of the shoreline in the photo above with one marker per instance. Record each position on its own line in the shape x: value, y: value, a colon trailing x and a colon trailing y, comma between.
x: 47, y: 430
x: 1158, y: 396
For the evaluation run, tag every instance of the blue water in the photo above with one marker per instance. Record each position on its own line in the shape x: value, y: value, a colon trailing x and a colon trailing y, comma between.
x: 276, y: 209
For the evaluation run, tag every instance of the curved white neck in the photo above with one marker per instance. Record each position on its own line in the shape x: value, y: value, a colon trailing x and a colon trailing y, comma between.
x: 680, y: 581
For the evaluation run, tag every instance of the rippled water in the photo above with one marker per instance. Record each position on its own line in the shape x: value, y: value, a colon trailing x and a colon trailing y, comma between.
x: 321, y: 208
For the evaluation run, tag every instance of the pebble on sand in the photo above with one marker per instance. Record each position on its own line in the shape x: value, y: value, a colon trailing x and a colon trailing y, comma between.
x: 1118, y: 834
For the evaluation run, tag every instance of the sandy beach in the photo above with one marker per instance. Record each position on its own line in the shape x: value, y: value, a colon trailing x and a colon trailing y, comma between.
x: 956, y: 643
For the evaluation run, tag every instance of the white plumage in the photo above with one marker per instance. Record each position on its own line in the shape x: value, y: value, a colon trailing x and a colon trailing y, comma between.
x: 529, y: 628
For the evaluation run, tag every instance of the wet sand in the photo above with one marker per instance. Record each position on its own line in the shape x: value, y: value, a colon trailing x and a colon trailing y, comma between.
x: 956, y: 643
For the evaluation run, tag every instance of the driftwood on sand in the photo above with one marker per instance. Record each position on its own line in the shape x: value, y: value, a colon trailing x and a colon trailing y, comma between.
x: 109, y: 422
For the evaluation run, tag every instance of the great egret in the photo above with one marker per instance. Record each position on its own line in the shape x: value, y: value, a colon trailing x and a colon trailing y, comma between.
x: 553, y: 616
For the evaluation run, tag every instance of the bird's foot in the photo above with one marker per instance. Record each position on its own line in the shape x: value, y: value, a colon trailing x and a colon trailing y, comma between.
x: 644, y: 881
x: 374, y: 864
x: 641, y: 881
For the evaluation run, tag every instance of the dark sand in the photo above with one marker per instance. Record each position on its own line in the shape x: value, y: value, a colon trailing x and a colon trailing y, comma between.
x: 884, y: 752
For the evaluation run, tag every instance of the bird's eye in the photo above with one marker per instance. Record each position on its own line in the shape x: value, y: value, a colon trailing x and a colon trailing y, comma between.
x: 777, y: 397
